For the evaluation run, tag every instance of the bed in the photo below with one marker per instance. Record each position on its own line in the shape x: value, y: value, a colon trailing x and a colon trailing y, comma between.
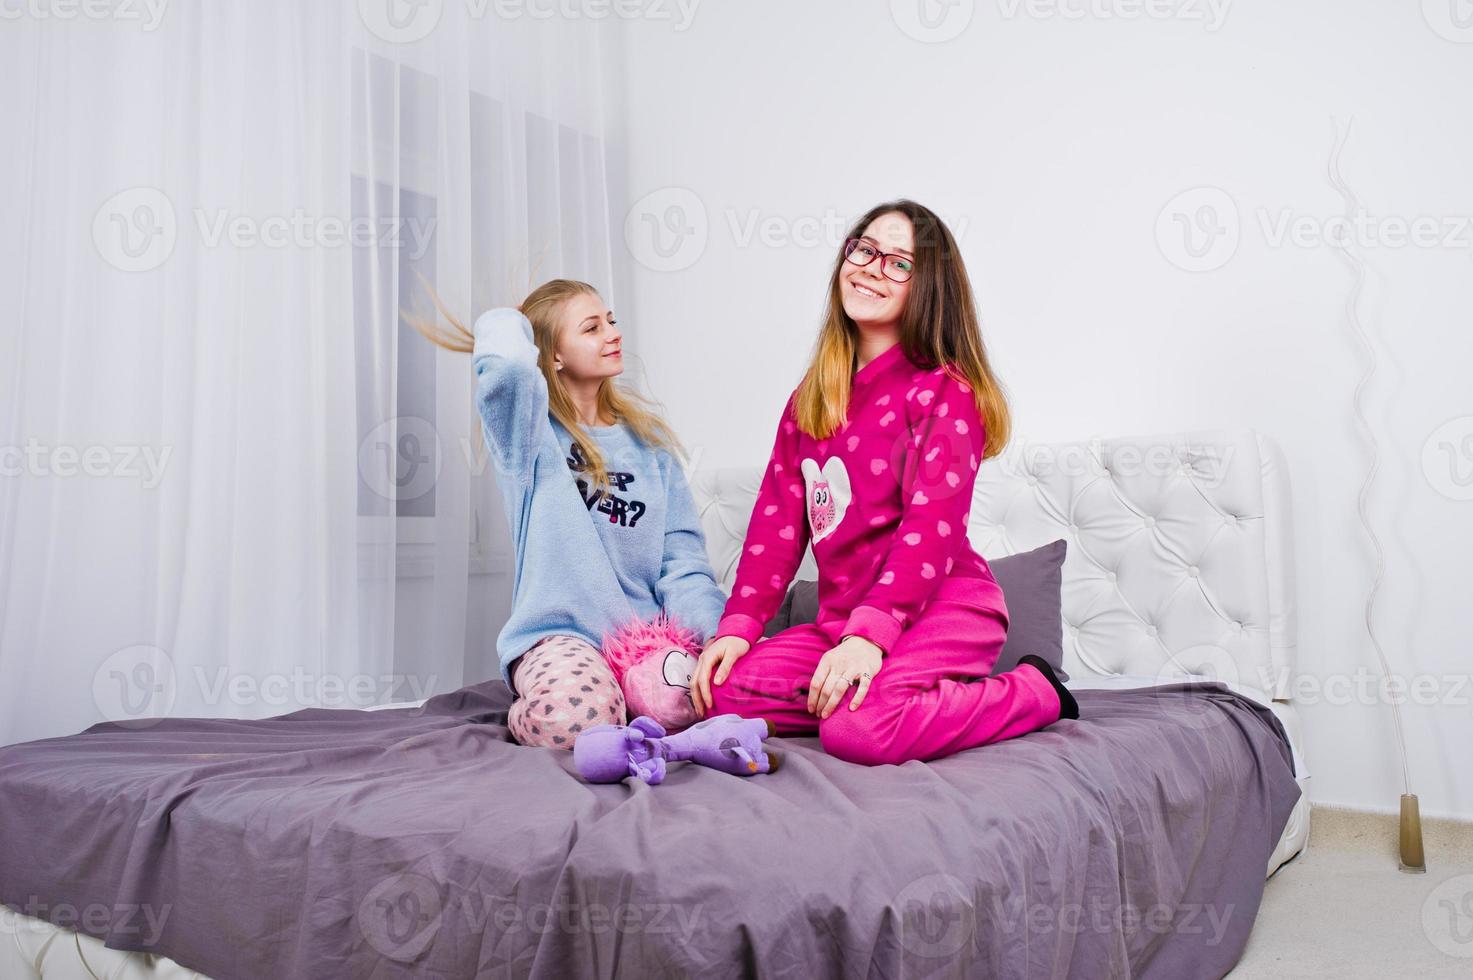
x: 420, y: 841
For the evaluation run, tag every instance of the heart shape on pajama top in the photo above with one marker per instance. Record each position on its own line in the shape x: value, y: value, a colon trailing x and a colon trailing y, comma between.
x: 828, y: 495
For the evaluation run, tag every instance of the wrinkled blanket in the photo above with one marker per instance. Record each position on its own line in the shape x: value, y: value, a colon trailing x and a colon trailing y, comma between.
x: 423, y: 842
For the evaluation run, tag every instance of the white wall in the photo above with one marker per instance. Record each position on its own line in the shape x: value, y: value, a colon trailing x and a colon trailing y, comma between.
x: 1052, y: 142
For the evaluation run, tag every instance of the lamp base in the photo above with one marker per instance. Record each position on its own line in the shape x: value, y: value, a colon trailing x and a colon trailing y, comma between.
x: 1412, y: 859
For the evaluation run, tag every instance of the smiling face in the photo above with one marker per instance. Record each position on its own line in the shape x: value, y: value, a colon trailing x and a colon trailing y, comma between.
x: 871, y: 299
x: 589, y: 344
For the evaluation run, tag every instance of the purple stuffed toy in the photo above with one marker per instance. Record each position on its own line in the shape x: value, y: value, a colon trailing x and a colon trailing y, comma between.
x: 731, y: 743
x: 653, y: 663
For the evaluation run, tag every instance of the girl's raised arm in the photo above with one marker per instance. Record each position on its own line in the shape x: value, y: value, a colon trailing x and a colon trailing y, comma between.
x: 511, y: 392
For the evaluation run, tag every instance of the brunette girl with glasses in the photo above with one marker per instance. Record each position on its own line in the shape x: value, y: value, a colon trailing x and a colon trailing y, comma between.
x: 874, y: 463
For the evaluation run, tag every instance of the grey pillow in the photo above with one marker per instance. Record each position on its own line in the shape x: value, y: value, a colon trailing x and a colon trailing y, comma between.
x: 1031, y: 581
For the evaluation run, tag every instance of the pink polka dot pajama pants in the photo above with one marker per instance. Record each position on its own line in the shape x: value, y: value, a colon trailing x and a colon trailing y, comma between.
x: 564, y: 685
x: 931, y: 698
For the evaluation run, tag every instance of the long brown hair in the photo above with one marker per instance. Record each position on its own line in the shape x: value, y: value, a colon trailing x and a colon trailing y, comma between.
x: 542, y: 307
x: 938, y: 327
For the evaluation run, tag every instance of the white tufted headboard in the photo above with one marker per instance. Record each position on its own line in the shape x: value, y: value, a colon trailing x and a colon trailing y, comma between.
x: 1180, y: 558
x: 1179, y: 548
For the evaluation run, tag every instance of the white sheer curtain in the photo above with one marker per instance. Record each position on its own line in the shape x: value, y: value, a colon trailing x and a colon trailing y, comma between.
x: 235, y: 482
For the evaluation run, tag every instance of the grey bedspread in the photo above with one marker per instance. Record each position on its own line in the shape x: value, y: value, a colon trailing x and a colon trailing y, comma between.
x: 423, y: 842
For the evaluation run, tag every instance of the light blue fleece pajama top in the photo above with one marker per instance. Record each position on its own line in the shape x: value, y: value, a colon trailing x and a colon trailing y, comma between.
x: 585, y: 564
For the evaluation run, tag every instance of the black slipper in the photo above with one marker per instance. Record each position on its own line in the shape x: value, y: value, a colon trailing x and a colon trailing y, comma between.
x: 1068, y: 707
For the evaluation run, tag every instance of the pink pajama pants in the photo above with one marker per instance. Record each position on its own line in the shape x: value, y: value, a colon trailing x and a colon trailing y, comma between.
x: 931, y: 697
x: 564, y: 685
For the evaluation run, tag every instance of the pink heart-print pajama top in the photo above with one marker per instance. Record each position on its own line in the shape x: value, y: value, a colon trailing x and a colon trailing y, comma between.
x: 884, y: 501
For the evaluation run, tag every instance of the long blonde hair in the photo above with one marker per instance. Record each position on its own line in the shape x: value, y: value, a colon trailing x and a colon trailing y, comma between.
x: 939, y: 327
x: 542, y: 307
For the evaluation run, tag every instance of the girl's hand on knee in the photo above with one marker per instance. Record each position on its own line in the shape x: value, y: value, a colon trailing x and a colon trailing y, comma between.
x: 855, y: 660
x: 716, y: 659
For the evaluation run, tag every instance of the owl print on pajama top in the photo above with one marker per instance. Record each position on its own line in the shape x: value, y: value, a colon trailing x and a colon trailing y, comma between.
x: 884, y: 502
x: 827, y: 495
